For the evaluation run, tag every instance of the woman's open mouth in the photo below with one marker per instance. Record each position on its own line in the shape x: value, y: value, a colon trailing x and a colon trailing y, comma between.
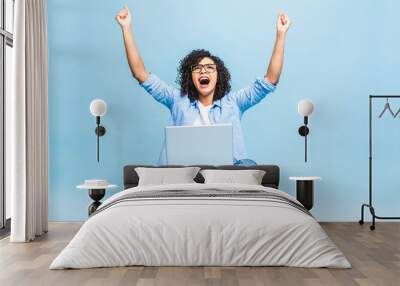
x: 204, y: 81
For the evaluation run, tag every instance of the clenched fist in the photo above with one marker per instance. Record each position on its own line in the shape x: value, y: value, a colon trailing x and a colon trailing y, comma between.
x: 283, y: 23
x: 124, y: 17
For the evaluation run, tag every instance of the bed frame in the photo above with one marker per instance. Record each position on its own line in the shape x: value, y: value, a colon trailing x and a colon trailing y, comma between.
x: 270, y: 179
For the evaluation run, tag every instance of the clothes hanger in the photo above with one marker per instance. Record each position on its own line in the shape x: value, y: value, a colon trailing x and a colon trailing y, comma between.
x: 397, y: 113
x: 387, y: 107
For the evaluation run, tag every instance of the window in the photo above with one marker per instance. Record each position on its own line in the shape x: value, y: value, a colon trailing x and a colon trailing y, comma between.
x: 6, y: 62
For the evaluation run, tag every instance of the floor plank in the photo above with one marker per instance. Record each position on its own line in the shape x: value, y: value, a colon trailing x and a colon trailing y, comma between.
x: 374, y: 255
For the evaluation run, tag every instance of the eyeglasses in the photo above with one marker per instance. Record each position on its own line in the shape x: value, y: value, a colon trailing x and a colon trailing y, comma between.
x: 209, y: 68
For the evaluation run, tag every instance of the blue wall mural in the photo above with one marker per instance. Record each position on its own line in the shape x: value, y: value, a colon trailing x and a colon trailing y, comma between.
x: 337, y: 53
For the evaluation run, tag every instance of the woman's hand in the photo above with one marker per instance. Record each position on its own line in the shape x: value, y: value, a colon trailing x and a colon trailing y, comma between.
x: 283, y: 23
x: 132, y: 52
x: 276, y: 62
x: 124, y: 17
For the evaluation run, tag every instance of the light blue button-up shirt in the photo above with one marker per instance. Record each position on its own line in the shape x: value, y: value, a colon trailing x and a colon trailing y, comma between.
x: 227, y: 110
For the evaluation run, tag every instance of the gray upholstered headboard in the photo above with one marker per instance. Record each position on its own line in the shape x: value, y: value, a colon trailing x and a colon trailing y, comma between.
x: 270, y: 179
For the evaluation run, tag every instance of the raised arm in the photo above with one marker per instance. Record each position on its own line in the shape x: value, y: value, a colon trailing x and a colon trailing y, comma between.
x: 132, y: 52
x: 276, y: 62
x: 253, y: 94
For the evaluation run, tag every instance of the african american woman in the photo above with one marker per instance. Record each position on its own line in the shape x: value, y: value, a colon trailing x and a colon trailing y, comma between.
x: 205, y: 96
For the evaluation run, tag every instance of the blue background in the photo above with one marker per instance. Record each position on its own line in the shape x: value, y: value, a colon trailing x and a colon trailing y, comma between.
x: 338, y: 52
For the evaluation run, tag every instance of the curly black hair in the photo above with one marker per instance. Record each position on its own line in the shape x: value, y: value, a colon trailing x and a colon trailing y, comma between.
x: 184, y: 78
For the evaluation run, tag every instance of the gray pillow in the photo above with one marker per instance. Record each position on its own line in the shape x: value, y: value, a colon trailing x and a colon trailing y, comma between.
x: 249, y: 177
x: 163, y: 176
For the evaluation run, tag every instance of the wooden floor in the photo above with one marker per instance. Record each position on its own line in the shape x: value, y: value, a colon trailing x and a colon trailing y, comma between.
x: 375, y: 257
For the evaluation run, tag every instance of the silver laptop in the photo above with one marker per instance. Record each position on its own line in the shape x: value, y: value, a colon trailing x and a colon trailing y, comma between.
x: 198, y: 145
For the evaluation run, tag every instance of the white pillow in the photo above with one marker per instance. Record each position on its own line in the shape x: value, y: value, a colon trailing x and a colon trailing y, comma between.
x: 165, y: 176
x: 249, y: 177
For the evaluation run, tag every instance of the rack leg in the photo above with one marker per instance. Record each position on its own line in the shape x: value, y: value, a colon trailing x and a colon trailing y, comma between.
x: 361, y: 221
x: 372, y: 210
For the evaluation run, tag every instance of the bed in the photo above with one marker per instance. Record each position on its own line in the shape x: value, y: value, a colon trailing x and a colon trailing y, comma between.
x: 201, y: 224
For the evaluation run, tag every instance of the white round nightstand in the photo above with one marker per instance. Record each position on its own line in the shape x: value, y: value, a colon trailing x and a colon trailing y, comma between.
x: 305, y: 190
x: 96, y: 190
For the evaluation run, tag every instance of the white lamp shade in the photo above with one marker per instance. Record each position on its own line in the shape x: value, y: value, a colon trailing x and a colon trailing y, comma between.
x: 98, y: 107
x: 305, y: 107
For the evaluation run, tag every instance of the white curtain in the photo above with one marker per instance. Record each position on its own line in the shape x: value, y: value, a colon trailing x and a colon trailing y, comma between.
x: 27, y: 124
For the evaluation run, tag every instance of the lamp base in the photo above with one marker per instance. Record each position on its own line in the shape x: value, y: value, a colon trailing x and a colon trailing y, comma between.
x: 100, y: 130
x: 303, y: 130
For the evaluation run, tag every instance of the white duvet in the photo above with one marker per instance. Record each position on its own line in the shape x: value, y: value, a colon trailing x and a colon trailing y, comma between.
x: 200, y: 231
